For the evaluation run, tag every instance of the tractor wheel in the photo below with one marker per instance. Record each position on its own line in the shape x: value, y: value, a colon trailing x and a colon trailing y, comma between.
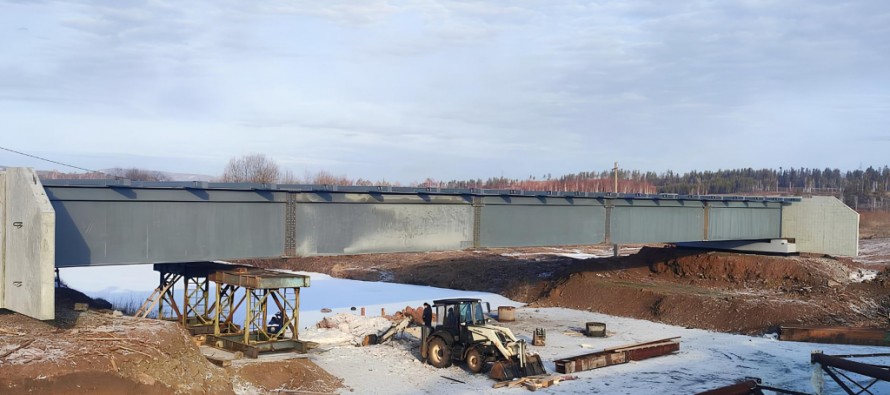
x: 439, y: 353
x: 475, y: 362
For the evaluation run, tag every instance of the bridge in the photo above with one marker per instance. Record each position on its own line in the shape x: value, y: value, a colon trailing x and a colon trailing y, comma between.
x: 66, y: 223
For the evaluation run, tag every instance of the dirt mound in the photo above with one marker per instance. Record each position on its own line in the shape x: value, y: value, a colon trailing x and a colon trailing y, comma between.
x: 147, y: 354
x: 724, y: 291
x: 93, y: 382
x: 113, y: 354
x: 298, y: 375
x: 684, y: 305
x: 733, y: 270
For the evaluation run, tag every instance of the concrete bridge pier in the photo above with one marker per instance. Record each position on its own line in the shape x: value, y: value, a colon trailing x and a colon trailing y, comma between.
x: 27, y: 245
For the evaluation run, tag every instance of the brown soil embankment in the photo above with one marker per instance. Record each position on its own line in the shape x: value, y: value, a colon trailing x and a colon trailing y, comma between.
x: 709, y: 290
x: 101, y: 353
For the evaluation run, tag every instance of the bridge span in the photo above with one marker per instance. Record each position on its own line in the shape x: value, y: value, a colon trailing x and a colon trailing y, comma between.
x: 65, y: 223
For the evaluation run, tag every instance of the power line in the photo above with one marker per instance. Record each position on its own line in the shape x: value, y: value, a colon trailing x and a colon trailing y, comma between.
x: 50, y: 160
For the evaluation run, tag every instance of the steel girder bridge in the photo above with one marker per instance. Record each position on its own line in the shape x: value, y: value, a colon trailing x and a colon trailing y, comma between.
x: 68, y: 223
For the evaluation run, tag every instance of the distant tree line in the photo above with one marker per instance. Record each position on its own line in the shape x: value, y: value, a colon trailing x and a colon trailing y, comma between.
x: 861, y: 189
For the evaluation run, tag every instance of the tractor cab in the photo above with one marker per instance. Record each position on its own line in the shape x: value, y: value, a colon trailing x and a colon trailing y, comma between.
x: 452, y: 314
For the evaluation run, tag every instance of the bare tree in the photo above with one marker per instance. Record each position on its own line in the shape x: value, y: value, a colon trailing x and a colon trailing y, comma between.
x: 324, y: 177
x: 289, y: 178
x: 252, y: 168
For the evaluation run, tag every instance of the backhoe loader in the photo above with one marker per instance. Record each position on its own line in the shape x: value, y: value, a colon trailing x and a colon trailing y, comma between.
x: 461, y: 332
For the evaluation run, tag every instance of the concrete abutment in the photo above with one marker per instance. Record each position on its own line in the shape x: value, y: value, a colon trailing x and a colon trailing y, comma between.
x: 27, y: 245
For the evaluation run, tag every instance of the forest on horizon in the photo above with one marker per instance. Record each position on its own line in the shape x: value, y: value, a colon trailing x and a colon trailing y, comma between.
x: 861, y: 189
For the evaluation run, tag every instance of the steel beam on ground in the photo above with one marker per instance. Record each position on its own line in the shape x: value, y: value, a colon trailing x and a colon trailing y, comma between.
x: 617, y: 355
x: 836, y: 335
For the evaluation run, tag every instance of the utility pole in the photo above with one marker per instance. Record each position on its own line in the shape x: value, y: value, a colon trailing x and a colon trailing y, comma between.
x: 615, y: 248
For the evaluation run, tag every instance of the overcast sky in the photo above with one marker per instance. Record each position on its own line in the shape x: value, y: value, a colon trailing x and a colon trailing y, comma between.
x: 405, y: 90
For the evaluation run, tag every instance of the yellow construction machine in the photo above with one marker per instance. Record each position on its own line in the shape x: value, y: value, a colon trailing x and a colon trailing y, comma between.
x: 461, y: 332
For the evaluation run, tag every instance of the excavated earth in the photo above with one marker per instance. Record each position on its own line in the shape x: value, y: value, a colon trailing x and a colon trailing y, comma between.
x: 98, y: 352
x: 722, y: 291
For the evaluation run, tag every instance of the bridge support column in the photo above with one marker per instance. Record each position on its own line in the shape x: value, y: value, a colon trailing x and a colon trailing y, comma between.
x: 607, y: 235
x: 477, y: 221
x: 27, y: 245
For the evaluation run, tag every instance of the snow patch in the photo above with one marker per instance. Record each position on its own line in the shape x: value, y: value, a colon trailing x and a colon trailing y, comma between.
x: 862, y: 275
x: 345, y: 328
x: 573, y: 255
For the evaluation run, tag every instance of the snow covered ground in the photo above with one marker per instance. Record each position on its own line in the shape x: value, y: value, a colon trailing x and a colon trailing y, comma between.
x: 705, y: 360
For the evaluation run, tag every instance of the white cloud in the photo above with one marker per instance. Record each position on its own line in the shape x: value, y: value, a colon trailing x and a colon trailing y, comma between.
x: 459, y: 88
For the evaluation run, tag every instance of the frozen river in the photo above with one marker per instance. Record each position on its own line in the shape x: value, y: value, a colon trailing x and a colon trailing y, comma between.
x: 124, y: 285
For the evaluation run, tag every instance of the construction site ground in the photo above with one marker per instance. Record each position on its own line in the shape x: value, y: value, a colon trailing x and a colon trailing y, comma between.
x: 721, y: 291
x: 99, y: 352
x: 705, y: 360
x: 672, y: 289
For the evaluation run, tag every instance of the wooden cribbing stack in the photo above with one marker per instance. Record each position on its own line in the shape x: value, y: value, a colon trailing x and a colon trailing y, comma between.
x: 618, y: 355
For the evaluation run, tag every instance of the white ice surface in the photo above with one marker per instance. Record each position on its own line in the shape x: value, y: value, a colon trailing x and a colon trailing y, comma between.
x: 706, y: 359
x: 123, y: 284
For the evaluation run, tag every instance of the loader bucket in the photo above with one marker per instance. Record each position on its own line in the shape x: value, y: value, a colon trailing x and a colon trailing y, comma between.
x: 513, y: 369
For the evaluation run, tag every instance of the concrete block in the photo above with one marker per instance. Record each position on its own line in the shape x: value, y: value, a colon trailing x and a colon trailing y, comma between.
x: 28, y: 262
x: 2, y: 238
x: 823, y: 225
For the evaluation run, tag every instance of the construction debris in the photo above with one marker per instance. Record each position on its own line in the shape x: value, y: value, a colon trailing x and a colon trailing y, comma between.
x: 343, y: 328
x: 386, y: 335
x: 533, y: 383
x: 836, y: 335
x: 455, y: 380
x: 618, y: 355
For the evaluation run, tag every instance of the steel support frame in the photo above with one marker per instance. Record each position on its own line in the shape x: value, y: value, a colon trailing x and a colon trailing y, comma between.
x: 195, y: 311
x: 196, y: 299
x: 749, y: 386
x: 168, y: 286
x: 836, y: 365
x: 226, y: 304
x: 254, y: 335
